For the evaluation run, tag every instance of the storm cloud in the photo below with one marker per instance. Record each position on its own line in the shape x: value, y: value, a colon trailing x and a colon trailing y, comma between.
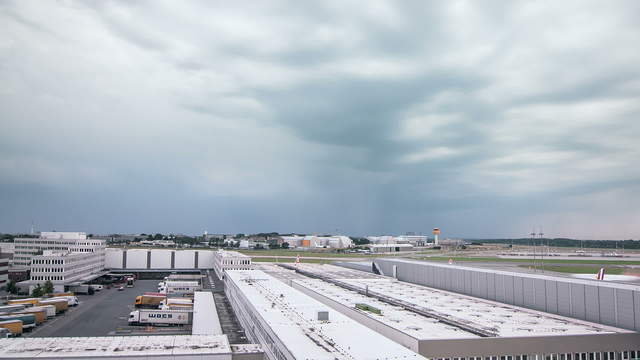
x: 483, y: 118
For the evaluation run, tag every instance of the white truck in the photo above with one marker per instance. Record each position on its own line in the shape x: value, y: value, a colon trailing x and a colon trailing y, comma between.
x: 160, y: 317
x: 71, y: 300
x: 179, y: 287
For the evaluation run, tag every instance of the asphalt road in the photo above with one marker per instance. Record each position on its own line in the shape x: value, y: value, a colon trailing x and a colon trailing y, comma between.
x: 97, y: 315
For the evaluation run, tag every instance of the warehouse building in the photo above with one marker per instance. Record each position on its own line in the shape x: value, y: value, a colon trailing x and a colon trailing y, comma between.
x: 291, y: 325
x: 591, y: 300
x: 442, y: 324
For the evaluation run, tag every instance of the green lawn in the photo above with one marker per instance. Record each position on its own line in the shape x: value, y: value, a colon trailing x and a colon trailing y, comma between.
x: 289, y: 260
x: 581, y: 269
x: 546, y: 260
x: 304, y: 253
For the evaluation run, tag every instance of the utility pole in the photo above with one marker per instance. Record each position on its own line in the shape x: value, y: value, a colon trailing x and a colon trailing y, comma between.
x: 533, y: 239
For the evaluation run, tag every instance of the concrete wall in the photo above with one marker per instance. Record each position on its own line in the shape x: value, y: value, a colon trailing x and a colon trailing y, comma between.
x: 185, y: 259
x: 160, y: 259
x: 136, y: 258
x: 530, y: 345
x: 600, y: 302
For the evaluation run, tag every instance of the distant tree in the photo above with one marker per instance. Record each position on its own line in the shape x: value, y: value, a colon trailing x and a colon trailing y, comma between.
x: 90, y: 235
x: 158, y: 237
x: 11, y: 287
x: 149, y: 237
x: 48, y: 287
x: 285, y: 245
x: 239, y: 236
x: 37, y: 291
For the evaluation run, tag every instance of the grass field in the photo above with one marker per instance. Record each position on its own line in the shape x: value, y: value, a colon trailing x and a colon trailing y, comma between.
x: 546, y: 260
x: 289, y: 260
x: 581, y: 269
x: 303, y: 253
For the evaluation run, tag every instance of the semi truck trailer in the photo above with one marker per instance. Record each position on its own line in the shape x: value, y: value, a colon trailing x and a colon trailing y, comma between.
x: 149, y: 301
x: 49, y: 310
x: 14, y: 326
x: 26, y: 302
x: 40, y: 315
x: 160, y: 317
x: 179, y: 287
x: 184, y: 277
x: 61, y: 304
x: 28, y: 320
x: 11, y: 308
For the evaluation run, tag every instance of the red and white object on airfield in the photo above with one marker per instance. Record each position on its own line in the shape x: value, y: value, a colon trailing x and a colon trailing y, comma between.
x: 600, y: 274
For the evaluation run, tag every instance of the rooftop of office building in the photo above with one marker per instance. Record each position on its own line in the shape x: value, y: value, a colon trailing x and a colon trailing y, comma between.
x: 114, y: 346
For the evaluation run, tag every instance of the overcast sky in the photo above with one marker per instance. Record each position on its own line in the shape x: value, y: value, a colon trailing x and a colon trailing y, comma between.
x: 483, y: 118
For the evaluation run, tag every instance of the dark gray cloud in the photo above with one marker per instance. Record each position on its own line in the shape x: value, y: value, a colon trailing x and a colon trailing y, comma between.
x: 481, y: 118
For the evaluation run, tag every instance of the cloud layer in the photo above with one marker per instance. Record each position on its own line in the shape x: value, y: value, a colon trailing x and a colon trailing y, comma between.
x: 481, y: 118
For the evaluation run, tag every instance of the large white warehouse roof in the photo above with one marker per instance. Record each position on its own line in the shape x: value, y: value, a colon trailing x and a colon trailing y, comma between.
x: 293, y: 316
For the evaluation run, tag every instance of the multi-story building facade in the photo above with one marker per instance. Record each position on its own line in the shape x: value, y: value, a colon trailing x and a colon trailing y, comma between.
x: 64, y: 258
x: 230, y: 260
x: 73, y: 242
x: 4, y: 270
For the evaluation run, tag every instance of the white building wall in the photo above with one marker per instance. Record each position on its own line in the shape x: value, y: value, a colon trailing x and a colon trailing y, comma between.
x: 184, y: 259
x: 136, y: 258
x: 205, y: 259
x: 160, y: 259
x: 113, y: 259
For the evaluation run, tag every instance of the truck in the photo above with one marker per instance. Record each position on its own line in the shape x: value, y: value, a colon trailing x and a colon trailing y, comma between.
x: 149, y: 301
x: 49, y: 310
x: 61, y: 304
x: 14, y: 326
x: 28, y: 320
x: 71, y: 299
x: 11, y: 308
x: 179, y: 287
x: 160, y: 317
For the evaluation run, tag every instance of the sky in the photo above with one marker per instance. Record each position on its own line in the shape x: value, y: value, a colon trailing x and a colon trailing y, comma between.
x: 482, y: 118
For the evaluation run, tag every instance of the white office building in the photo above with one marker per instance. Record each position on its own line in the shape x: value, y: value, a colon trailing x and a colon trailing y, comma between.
x: 74, y: 242
x: 230, y: 260
x: 64, y: 258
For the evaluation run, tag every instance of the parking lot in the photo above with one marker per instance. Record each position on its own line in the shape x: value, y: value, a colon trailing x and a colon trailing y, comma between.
x: 103, y: 314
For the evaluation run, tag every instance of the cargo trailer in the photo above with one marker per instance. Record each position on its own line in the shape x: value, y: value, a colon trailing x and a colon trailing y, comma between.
x: 160, y: 317
x: 11, y: 308
x: 14, y: 326
x: 149, y: 301
x: 61, y: 304
x: 49, y: 310
x: 28, y: 320
x: 26, y: 302
x: 40, y: 315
